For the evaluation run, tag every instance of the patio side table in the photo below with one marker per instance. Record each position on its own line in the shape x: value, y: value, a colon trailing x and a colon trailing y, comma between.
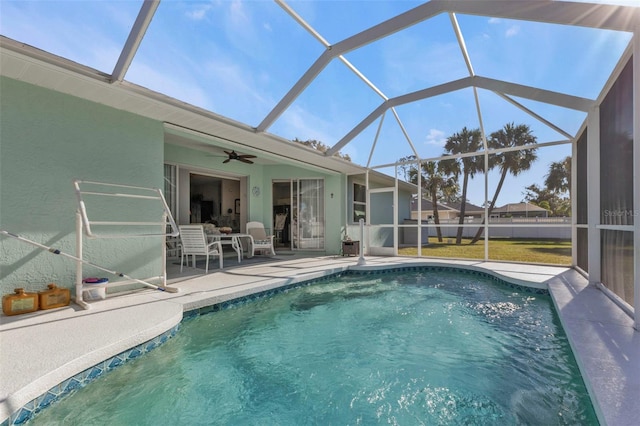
x: 351, y: 248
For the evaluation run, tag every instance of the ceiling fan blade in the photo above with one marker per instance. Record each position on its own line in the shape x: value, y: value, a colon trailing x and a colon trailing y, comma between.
x: 233, y: 155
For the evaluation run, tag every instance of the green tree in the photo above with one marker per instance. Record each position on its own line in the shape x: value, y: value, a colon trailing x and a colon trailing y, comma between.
x: 315, y: 144
x: 464, y: 142
x: 559, y: 177
x: 547, y: 199
x: 545, y: 205
x: 434, y: 182
x: 509, y: 162
x: 556, y: 194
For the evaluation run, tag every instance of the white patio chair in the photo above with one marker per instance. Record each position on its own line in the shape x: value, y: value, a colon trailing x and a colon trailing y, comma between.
x: 278, y: 226
x: 260, y: 241
x: 194, y: 243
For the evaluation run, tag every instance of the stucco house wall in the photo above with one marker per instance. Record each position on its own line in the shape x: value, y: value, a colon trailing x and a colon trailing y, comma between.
x: 48, y: 139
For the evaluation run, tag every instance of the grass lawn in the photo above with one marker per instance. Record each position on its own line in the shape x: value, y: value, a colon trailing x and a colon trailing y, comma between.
x: 517, y: 250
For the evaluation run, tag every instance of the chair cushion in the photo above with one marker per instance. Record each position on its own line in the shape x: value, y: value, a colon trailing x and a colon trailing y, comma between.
x: 258, y: 234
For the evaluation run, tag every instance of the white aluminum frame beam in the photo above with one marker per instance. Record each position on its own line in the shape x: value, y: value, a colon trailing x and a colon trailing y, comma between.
x: 461, y: 43
x: 621, y: 18
x: 534, y: 115
x: 348, y: 64
x: 593, y: 195
x: 636, y: 176
x: 404, y: 132
x: 476, y: 153
x: 326, y: 44
x: 602, y: 16
x: 534, y: 93
x: 147, y: 11
x: 375, y: 140
x: 527, y: 92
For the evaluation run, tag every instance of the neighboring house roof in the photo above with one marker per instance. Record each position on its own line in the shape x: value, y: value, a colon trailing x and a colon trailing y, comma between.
x: 427, y: 205
x: 518, y: 207
x: 468, y: 207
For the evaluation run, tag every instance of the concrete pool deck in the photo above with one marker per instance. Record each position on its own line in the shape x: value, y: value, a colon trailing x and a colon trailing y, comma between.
x: 42, y: 349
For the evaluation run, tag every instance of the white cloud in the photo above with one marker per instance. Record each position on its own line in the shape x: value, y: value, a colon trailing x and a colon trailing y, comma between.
x: 512, y: 31
x: 197, y: 14
x: 435, y: 137
x: 177, y: 85
x: 199, y: 11
x: 238, y: 15
x: 409, y: 63
x: 298, y: 122
x: 306, y: 125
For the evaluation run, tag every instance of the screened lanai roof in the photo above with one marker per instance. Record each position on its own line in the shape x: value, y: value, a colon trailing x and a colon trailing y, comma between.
x: 376, y: 80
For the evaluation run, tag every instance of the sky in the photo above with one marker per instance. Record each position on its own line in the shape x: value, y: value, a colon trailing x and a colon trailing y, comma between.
x: 239, y: 58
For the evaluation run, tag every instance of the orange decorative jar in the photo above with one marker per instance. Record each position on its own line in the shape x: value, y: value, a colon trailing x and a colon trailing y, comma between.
x: 54, y: 297
x: 19, y: 303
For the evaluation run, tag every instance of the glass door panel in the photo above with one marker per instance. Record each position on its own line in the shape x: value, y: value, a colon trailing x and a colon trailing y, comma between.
x: 282, y: 213
x: 307, y: 214
x: 382, y: 233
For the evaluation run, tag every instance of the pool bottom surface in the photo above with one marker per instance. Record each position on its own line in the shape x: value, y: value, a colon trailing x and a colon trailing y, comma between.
x: 409, y: 348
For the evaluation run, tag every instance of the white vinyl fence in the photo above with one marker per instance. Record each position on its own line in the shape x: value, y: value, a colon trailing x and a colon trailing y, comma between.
x: 379, y: 238
x: 531, y: 227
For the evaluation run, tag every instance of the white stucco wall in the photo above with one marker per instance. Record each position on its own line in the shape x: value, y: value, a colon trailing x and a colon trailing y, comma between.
x: 47, y: 139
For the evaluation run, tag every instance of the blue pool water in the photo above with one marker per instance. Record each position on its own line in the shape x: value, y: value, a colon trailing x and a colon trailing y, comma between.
x: 433, y: 348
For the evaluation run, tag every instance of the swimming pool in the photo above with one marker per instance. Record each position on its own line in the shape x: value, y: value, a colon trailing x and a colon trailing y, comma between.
x: 402, y: 348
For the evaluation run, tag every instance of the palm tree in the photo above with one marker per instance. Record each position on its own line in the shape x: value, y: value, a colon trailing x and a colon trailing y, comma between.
x: 512, y: 162
x: 559, y: 177
x: 434, y: 182
x: 437, y: 185
x: 460, y: 143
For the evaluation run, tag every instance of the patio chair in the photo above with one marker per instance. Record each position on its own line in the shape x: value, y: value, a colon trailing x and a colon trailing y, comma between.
x: 194, y: 243
x: 260, y: 241
x: 278, y: 226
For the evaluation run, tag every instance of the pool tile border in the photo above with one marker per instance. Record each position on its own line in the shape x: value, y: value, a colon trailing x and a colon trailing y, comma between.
x: 87, y: 376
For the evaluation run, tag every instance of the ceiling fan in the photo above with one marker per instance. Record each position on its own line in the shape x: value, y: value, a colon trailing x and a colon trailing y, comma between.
x: 240, y: 157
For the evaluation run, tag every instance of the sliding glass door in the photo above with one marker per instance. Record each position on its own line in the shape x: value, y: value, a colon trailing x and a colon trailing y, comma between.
x: 306, y: 207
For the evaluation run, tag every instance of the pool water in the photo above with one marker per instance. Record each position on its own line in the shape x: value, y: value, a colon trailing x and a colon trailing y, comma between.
x: 433, y: 348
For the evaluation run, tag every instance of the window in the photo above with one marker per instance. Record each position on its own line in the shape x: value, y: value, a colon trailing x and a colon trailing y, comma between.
x: 359, y: 202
